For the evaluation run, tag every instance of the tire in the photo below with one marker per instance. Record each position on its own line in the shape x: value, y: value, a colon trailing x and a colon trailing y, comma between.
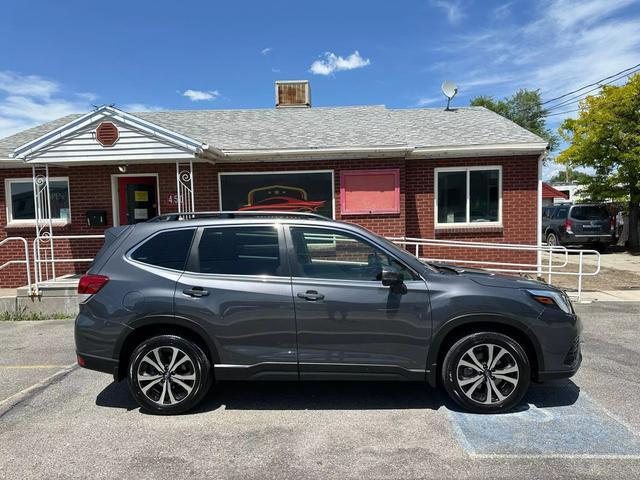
x: 467, y: 386
x: 174, y: 391
x: 553, y: 240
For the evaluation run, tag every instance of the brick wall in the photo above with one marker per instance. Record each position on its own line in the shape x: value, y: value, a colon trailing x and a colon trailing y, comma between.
x: 90, y: 189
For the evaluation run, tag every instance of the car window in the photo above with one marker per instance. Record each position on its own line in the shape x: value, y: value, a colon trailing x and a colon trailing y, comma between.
x: 547, y: 212
x: 240, y: 251
x: 330, y: 254
x: 561, y: 213
x: 166, y: 249
x: 590, y: 212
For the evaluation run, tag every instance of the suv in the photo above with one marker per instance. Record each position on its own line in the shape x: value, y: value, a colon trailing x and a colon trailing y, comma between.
x: 174, y: 305
x: 567, y: 224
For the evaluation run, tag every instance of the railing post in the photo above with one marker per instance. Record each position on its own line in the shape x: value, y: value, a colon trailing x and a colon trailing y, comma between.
x: 550, y: 264
x: 580, y: 277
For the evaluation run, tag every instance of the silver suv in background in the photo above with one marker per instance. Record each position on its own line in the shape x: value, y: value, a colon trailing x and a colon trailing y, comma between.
x: 172, y: 305
x: 590, y: 225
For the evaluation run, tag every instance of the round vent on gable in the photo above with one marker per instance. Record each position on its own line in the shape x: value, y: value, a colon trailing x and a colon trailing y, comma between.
x: 107, y: 134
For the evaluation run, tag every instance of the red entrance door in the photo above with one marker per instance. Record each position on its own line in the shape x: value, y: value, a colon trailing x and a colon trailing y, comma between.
x: 138, y: 198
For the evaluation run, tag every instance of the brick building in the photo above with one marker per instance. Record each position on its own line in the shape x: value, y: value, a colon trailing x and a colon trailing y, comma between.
x: 460, y: 174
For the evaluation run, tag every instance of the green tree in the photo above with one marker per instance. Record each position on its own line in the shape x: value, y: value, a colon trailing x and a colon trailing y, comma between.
x: 606, y: 138
x: 524, y: 108
x: 571, y: 175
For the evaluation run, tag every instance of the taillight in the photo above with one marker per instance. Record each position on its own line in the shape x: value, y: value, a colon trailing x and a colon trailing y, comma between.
x: 567, y: 225
x: 91, y: 284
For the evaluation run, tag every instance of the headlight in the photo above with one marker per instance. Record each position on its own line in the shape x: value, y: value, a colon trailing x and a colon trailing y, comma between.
x: 551, y: 298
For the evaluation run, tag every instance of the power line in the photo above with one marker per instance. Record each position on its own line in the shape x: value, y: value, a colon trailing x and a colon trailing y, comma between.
x: 583, y: 95
x: 591, y: 84
x: 561, y: 113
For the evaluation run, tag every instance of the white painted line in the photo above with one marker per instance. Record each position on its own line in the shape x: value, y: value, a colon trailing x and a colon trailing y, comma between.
x: 576, y: 456
x: 28, y: 367
x: 8, y: 403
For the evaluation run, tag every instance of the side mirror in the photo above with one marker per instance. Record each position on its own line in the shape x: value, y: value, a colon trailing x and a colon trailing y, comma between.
x: 391, y: 277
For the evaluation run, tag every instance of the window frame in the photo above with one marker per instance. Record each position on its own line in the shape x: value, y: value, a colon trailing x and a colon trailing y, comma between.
x: 193, y: 261
x: 346, y: 174
x: 295, y: 271
x: 11, y: 222
x: 468, y: 170
x: 132, y: 250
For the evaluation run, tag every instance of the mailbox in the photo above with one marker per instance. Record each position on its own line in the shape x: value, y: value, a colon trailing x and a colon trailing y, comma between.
x: 96, y: 218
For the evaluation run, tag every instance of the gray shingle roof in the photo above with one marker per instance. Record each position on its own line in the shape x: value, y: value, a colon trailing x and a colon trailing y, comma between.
x: 317, y: 127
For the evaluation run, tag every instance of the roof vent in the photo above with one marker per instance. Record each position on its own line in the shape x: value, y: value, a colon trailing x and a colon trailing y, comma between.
x: 293, y: 93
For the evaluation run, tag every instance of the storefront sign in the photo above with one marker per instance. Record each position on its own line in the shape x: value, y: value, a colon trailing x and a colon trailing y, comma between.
x: 310, y: 192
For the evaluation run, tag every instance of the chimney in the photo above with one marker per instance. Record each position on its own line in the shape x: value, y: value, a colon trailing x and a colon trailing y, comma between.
x: 293, y: 93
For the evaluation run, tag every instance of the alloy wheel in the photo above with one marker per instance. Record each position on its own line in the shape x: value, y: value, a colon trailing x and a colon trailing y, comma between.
x: 166, y: 375
x: 487, y: 373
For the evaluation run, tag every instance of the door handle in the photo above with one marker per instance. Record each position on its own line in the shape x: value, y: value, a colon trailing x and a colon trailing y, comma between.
x: 196, y: 292
x: 311, y: 295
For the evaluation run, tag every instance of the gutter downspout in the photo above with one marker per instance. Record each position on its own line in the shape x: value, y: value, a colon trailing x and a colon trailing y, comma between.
x: 539, y: 214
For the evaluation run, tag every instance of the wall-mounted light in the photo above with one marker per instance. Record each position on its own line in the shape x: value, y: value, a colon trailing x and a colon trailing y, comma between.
x: 122, y: 168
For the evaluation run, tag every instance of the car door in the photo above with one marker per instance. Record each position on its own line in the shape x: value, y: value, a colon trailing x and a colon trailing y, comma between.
x: 348, y: 323
x: 237, y: 286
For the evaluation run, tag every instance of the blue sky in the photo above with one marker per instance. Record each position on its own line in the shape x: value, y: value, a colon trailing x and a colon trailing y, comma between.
x: 62, y: 57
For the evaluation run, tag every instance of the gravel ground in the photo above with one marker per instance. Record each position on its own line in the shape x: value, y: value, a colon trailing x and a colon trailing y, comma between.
x: 86, y: 426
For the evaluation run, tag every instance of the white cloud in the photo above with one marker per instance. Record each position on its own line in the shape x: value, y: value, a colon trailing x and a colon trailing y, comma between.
x: 29, y: 85
x: 564, y: 45
x: 88, y: 96
x: 266, y: 51
x: 200, y: 95
x: 452, y: 8
x: 426, y: 101
x: 140, y: 107
x: 331, y: 63
x: 29, y: 100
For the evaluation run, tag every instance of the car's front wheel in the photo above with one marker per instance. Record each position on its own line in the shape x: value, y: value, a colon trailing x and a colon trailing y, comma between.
x: 486, y: 372
x: 169, y: 374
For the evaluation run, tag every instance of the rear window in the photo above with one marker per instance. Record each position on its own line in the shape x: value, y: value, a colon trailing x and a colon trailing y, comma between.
x: 561, y: 213
x: 167, y: 249
x: 590, y: 212
x: 240, y: 251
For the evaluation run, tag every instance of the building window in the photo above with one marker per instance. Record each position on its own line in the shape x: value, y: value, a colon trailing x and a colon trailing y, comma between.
x: 369, y: 191
x: 20, y: 202
x: 299, y: 191
x: 468, y: 195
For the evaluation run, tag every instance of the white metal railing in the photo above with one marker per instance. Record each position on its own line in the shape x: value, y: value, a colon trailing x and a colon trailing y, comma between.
x: 24, y: 262
x: 39, y: 261
x: 558, y: 259
x: 547, y: 268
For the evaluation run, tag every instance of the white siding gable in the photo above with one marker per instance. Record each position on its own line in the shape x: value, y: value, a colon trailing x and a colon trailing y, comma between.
x: 132, y: 144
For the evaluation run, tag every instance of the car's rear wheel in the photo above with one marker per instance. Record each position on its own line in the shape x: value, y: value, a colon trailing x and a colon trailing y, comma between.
x: 169, y: 374
x: 486, y: 372
x: 552, y: 240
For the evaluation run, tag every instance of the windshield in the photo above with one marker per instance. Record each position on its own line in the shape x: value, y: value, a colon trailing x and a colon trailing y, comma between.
x: 590, y: 212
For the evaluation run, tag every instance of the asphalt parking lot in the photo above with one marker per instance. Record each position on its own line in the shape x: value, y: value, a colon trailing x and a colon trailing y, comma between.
x: 83, y: 425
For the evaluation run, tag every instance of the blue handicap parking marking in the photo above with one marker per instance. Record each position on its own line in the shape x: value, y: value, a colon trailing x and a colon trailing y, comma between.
x: 580, y: 428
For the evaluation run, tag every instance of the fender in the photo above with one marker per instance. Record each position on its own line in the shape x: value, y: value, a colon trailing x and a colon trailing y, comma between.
x: 471, y: 319
x: 166, y: 320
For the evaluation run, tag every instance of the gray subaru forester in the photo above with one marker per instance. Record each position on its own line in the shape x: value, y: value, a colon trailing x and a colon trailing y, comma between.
x: 175, y: 303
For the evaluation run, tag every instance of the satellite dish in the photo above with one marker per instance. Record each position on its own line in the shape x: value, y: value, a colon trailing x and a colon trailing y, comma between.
x: 449, y: 89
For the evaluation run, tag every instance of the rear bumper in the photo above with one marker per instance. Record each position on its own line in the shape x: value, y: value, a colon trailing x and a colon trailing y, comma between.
x: 582, y: 238
x: 99, y: 364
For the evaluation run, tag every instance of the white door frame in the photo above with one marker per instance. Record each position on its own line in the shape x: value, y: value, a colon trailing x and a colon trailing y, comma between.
x: 115, y: 198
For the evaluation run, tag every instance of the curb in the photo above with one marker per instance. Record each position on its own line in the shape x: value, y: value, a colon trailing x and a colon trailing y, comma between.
x: 17, y: 398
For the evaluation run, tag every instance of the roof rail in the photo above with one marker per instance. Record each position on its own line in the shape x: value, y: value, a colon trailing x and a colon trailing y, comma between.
x: 172, y: 217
